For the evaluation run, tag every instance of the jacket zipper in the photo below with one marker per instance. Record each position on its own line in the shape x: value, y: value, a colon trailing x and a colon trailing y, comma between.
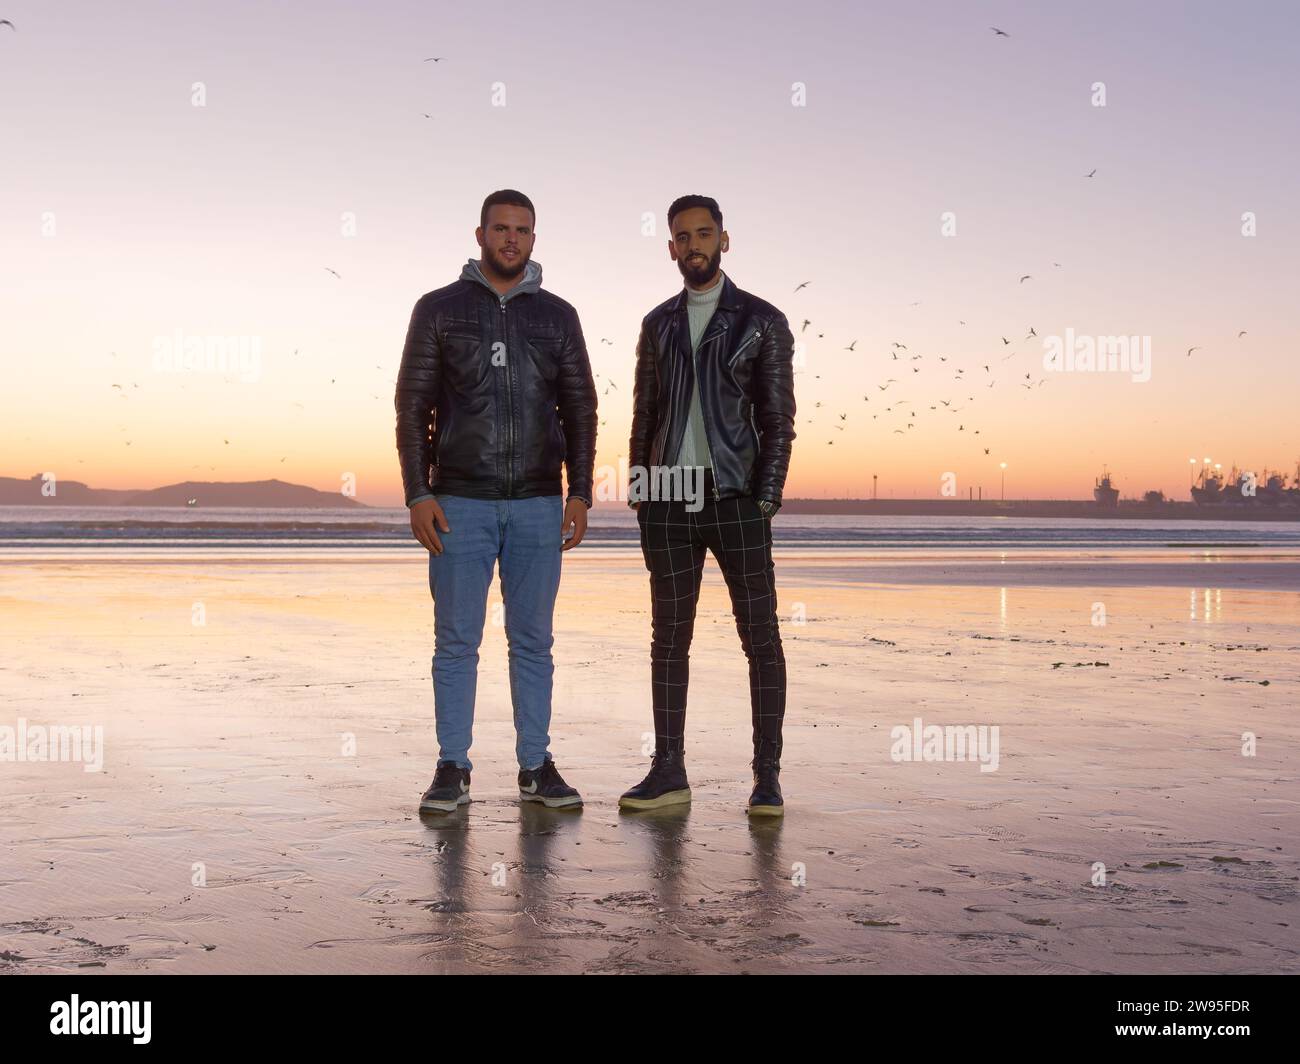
x: 510, y: 407
x: 736, y: 354
x: 695, y: 368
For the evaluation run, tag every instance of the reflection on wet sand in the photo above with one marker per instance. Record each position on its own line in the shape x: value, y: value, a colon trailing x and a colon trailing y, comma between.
x: 257, y: 808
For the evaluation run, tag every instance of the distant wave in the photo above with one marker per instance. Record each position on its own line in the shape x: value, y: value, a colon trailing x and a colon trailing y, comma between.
x: 110, y: 527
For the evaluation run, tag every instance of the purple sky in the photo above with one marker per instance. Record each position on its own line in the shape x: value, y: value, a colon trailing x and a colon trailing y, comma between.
x: 221, y: 219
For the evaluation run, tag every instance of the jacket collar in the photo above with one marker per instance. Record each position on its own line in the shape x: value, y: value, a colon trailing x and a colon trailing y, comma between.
x: 728, y: 300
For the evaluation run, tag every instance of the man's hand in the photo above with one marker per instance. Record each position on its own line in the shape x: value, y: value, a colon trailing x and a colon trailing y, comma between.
x: 424, y: 514
x: 575, y: 517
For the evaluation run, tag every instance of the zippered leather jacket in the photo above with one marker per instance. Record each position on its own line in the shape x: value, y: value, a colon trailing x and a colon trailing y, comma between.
x: 495, y: 393
x: 746, y: 384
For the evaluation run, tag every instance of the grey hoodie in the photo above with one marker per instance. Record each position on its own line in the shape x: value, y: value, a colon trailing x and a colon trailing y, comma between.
x: 532, y: 280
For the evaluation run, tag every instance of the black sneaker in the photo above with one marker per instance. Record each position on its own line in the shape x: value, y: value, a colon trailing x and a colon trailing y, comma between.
x: 545, y: 784
x: 450, y: 788
x: 766, y: 798
x: 664, y: 785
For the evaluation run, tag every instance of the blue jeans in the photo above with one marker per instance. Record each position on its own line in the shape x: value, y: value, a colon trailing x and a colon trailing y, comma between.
x: 524, y: 534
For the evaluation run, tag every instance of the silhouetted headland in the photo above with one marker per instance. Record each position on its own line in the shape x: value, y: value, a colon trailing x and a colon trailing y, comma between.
x: 269, y: 494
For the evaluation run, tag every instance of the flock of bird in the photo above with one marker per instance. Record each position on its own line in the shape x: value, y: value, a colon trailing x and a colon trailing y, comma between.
x: 899, y: 410
x: 940, y: 368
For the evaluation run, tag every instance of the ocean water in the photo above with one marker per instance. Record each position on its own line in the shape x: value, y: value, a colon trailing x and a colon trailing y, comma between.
x: 38, y: 528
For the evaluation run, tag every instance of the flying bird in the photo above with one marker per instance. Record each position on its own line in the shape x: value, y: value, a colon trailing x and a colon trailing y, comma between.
x: 1191, y: 349
x: 334, y: 272
x: 1090, y: 174
x: 806, y: 323
x: 6, y: 22
x: 998, y: 32
x: 851, y: 346
x: 1026, y: 277
x: 804, y: 285
x: 434, y: 59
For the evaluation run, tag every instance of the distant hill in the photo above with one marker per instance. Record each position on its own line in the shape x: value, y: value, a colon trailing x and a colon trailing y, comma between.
x: 251, y: 493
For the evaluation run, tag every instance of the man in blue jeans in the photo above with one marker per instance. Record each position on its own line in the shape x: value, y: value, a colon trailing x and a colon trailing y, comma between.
x: 494, y: 396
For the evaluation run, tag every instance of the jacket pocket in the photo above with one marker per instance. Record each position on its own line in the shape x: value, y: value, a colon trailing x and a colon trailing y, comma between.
x: 545, y: 354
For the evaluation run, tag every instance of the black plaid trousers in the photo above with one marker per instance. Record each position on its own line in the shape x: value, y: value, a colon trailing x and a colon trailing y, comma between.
x: 673, y: 542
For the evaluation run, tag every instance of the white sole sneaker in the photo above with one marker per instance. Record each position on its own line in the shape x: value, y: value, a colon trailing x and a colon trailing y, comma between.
x: 552, y: 803
x: 429, y: 805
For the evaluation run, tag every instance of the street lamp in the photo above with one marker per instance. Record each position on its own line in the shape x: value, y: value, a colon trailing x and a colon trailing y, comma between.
x: 1004, y: 481
x: 1191, y: 474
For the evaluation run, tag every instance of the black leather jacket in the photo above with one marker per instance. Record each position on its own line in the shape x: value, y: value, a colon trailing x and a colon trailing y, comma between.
x: 745, y: 362
x: 495, y: 393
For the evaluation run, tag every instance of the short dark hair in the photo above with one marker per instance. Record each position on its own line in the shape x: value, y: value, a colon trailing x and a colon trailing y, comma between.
x: 506, y: 197
x: 685, y: 203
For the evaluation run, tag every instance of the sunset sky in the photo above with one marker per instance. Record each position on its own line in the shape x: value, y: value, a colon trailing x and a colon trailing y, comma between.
x: 129, y: 214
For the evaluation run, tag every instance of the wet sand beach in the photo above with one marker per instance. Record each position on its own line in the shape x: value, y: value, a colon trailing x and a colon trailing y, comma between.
x: 256, y: 809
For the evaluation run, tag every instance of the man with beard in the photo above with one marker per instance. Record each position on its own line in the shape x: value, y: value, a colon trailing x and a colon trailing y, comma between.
x: 714, y: 390
x: 494, y: 395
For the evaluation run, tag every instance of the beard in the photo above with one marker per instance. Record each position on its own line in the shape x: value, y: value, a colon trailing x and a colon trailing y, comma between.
x: 504, y: 268
x: 701, y: 275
